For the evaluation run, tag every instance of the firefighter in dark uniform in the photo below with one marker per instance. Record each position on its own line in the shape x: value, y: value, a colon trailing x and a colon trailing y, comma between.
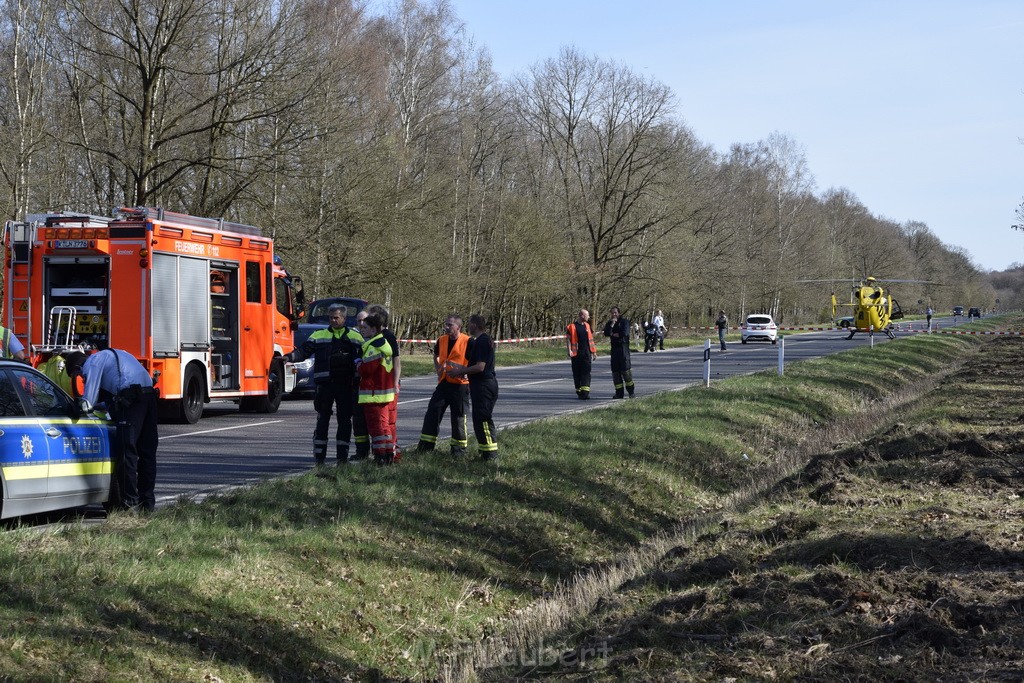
x: 578, y: 334
x: 116, y: 379
x: 617, y: 330
x: 334, y: 350
x: 452, y: 390
x: 483, y: 386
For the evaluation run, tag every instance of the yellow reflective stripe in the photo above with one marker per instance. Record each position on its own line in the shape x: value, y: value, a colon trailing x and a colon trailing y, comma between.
x: 65, y: 469
x: 78, y: 469
x: 23, y: 472
x: 377, y: 398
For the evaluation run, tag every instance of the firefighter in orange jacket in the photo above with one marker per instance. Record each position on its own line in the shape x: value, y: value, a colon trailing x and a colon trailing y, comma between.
x: 377, y: 388
x: 452, y: 391
x: 579, y: 334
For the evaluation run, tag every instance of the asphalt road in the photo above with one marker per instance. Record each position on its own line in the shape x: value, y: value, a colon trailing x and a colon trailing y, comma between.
x: 227, y: 448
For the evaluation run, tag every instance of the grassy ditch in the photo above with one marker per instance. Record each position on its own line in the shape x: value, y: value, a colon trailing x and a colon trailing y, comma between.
x: 898, y: 556
x: 399, y: 572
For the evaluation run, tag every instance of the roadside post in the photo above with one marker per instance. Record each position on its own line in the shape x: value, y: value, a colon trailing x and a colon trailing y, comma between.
x: 782, y: 354
x: 707, y: 363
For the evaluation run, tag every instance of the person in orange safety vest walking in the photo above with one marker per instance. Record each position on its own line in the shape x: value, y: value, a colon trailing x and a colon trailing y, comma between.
x: 579, y: 334
x: 452, y: 390
x: 377, y: 388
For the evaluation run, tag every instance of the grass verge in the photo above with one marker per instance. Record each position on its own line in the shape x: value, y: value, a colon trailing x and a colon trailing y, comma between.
x: 404, y: 572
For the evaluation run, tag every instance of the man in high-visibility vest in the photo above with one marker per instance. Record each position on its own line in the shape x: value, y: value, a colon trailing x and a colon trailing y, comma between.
x: 334, y: 350
x: 452, y: 391
x: 10, y: 345
x: 578, y: 334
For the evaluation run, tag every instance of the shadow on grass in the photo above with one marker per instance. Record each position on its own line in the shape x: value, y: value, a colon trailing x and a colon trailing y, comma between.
x: 173, y: 625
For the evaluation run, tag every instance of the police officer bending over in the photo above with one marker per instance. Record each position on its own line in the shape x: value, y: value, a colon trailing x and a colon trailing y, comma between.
x: 334, y: 350
x: 117, y: 380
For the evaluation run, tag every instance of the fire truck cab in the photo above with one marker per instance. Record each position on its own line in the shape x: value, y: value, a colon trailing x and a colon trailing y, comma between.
x: 204, y: 304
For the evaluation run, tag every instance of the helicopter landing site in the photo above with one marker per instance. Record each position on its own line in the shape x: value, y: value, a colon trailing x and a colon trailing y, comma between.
x: 897, y: 556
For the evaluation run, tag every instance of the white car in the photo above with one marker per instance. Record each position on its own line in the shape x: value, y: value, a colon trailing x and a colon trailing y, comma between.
x: 759, y: 326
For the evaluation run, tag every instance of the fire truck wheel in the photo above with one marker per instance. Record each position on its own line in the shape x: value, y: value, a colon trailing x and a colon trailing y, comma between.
x: 275, y: 392
x: 192, y: 396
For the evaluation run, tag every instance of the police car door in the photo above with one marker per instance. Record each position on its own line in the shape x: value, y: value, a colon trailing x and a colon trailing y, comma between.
x: 24, y: 452
x: 78, y: 447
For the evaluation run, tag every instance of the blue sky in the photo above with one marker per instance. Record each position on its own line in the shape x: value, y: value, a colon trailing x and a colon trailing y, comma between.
x: 916, y: 107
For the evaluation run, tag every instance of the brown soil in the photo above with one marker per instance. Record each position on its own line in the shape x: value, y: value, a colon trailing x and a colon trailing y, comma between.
x: 900, y: 558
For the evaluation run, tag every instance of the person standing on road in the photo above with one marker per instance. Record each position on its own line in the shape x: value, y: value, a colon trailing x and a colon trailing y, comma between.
x: 377, y: 388
x: 617, y: 330
x: 722, y: 323
x: 334, y: 350
x: 578, y: 334
x: 385, y: 317
x: 659, y: 325
x: 10, y: 345
x: 928, y: 316
x: 118, y: 380
x: 483, y: 386
x: 452, y: 390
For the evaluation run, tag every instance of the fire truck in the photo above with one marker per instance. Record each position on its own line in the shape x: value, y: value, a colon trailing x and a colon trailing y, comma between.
x: 204, y: 304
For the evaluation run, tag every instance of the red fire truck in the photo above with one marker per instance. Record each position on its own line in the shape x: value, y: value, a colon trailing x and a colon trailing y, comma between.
x: 204, y: 304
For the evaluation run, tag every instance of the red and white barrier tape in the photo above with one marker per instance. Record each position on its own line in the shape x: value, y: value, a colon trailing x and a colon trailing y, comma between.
x: 846, y: 329
x: 496, y: 341
x: 781, y: 329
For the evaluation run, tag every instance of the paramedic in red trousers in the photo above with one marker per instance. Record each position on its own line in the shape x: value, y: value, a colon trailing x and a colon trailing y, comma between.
x: 483, y: 386
x: 334, y: 350
x: 377, y: 389
x: 617, y: 329
x: 579, y: 341
x: 117, y: 380
x: 452, y: 390
x: 385, y: 317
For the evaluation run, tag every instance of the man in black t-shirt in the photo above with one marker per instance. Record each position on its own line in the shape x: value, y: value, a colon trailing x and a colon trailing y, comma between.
x: 483, y: 386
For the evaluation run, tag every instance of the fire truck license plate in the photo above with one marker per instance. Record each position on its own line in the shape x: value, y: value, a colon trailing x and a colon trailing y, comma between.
x: 70, y: 244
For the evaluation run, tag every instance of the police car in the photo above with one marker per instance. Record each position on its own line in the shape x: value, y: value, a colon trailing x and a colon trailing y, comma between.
x: 51, y: 457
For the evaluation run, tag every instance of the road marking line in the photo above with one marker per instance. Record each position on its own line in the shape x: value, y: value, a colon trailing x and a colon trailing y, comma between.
x: 542, y: 381
x: 219, y: 429
x: 506, y: 388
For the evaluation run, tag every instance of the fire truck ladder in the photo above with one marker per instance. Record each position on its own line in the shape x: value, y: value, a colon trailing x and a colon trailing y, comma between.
x: 61, y: 333
x: 17, y: 303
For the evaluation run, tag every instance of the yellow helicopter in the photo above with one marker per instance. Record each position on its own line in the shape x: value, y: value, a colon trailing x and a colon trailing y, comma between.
x: 875, y: 310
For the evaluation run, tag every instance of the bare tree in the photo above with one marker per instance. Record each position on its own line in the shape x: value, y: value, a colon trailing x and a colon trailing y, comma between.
x: 23, y: 94
x: 604, y: 131
x: 172, y: 98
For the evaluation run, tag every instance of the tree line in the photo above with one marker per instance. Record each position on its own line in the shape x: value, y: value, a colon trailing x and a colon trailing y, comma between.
x: 389, y: 161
